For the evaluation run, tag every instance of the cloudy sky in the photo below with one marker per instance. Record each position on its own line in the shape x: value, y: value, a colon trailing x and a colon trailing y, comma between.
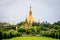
x: 15, y: 11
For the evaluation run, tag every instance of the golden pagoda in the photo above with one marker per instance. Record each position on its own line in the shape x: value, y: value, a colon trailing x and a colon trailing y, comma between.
x: 29, y: 20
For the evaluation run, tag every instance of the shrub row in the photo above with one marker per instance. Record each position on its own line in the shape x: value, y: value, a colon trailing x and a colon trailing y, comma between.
x: 52, y: 34
x: 7, y: 35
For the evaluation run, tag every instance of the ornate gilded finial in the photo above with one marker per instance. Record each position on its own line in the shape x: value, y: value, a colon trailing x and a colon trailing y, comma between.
x: 30, y: 8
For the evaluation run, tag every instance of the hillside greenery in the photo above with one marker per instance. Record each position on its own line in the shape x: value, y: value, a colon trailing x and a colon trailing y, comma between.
x: 37, y: 29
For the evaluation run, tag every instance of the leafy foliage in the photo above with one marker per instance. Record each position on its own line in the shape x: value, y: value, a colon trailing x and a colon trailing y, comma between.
x: 37, y: 28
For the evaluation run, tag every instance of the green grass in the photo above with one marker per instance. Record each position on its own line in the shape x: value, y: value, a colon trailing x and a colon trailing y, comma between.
x: 32, y: 38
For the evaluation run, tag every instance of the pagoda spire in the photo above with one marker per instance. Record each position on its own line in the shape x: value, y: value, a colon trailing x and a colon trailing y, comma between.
x: 29, y: 20
x: 30, y: 12
x: 30, y: 8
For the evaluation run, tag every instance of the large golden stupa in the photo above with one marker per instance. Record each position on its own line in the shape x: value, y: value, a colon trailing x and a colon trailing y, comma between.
x: 29, y: 20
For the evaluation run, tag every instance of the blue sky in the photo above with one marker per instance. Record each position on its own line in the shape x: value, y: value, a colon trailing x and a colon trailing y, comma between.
x: 15, y: 11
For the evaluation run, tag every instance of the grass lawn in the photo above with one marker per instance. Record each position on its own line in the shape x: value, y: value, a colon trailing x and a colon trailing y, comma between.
x: 32, y: 38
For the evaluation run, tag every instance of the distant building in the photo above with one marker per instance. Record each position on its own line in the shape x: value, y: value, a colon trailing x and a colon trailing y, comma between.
x: 4, y: 24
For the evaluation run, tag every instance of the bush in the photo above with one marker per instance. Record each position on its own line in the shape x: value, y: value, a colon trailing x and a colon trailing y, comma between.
x: 7, y: 35
x: 19, y: 34
x: 52, y: 34
x: 59, y: 35
x: 0, y: 35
